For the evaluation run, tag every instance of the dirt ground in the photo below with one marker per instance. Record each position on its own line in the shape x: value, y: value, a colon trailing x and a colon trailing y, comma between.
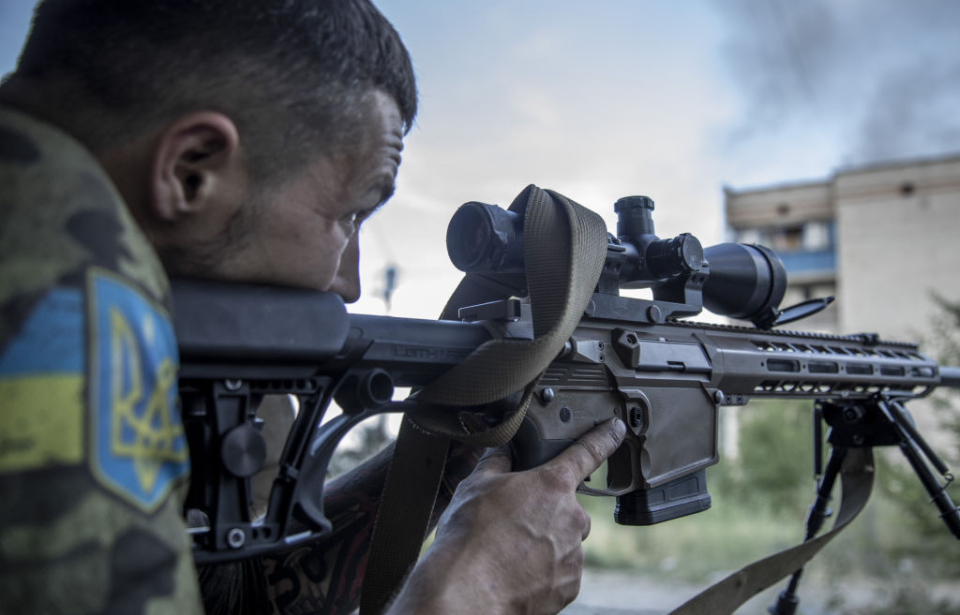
x: 620, y: 593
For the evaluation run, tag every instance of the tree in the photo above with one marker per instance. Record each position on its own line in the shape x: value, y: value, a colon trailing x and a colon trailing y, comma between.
x: 925, y: 537
x: 775, y: 449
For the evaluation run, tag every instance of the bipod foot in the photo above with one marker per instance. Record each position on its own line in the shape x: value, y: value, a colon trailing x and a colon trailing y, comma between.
x: 786, y: 604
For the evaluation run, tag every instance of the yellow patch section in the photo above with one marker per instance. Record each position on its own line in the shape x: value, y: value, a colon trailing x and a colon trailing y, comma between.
x: 155, y: 435
x: 41, y: 421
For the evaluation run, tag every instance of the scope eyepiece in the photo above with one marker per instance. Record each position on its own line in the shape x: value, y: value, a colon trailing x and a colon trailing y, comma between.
x: 485, y: 238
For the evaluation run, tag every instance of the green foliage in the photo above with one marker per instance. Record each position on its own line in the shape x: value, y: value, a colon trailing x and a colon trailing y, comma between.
x: 900, y: 599
x: 944, y: 344
x: 760, y: 499
x: 924, y: 532
x: 696, y: 548
x: 774, y: 468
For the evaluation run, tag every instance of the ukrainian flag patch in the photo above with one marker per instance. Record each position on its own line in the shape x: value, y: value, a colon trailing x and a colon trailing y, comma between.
x: 42, y: 404
x: 138, y: 447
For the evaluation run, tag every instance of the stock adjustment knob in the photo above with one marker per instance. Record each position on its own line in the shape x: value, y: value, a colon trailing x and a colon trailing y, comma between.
x: 243, y: 450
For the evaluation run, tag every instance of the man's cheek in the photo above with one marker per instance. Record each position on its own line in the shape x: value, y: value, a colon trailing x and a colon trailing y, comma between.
x: 346, y: 282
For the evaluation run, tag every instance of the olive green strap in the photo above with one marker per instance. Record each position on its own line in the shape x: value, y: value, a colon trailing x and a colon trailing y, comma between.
x: 403, y: 517
x: 726, y: 596
x: 565, y: 247
x: 564, y: 250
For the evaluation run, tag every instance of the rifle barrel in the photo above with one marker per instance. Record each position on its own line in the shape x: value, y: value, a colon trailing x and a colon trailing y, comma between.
x: 950, y: 377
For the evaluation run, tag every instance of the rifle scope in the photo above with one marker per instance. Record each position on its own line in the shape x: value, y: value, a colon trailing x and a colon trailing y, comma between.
x: 730, y: 279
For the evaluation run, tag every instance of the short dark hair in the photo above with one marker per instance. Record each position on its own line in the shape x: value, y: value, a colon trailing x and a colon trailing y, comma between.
x: 293, y: 74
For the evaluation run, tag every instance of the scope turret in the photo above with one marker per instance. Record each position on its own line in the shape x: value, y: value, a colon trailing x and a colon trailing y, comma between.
x: 634, y: 216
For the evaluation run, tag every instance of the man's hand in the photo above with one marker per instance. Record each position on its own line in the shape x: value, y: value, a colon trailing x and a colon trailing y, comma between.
x: 510, y: 542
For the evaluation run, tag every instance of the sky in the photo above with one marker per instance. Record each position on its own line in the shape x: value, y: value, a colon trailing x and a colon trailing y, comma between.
x: 674, y: 100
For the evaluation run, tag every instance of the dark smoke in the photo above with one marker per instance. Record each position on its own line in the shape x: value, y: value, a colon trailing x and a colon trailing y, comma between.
x: 882, y: 75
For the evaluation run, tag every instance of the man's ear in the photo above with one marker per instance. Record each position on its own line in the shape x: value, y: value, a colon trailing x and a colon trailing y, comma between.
x: 196, y: 165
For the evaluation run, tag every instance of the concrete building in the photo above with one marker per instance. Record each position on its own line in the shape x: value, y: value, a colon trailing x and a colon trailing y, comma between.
x: 880, y: 238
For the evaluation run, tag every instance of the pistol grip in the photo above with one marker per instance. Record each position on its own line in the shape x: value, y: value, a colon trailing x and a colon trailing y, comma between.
x: 530, y: 450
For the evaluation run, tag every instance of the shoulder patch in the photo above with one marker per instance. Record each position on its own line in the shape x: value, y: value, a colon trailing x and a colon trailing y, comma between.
x: 138, y: 447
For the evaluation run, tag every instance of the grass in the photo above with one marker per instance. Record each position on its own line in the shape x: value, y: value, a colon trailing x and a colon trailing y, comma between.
x: 695, y: 548
x: 706, y: 546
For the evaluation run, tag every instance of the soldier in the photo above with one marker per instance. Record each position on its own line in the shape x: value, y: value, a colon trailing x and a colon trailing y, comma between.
x: 231, y: 139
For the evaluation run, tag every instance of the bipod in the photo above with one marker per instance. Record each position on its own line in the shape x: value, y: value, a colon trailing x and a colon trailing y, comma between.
x: 788, y: 601
x: 914, y: 448
x: 881, y: 421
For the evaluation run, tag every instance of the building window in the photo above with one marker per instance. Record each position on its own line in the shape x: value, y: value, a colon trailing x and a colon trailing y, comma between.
x: 749, y: 235
x: 816, y: 236
x: 787, y: 239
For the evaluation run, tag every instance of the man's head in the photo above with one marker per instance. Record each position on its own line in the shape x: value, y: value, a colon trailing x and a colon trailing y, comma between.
x: 245, y: 135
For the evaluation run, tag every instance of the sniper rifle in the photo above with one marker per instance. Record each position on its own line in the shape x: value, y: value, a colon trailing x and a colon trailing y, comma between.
x: 637, y: 359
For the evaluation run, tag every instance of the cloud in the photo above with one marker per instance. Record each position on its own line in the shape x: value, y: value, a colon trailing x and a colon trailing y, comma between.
x: 879, y: 76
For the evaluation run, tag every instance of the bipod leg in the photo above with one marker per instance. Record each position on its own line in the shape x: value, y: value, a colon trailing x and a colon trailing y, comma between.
x: 914, y: 447
x: 788, y: 601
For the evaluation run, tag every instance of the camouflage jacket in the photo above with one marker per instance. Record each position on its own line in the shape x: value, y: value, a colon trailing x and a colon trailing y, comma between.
x: 93, y: 459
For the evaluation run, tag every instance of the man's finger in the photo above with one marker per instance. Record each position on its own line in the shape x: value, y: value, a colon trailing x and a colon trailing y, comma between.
x: 586, y: 455
x: 495, y: 461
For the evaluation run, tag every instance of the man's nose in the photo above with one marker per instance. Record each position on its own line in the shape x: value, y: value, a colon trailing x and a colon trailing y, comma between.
x: 347, y: 281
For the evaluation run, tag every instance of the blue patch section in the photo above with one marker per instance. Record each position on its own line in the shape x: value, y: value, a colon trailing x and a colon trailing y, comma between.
x: 51, y: 340
x: 139, y: 447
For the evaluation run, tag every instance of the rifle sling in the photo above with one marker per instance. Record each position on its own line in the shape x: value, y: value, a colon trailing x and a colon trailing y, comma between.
x: 727, y: 595
x: 403, y: 517
x: 565, y: 247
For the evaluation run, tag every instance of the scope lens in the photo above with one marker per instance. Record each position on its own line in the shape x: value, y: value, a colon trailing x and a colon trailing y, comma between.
x: 468, y: 238
x: 746, y: 282
x: 484, y: 238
